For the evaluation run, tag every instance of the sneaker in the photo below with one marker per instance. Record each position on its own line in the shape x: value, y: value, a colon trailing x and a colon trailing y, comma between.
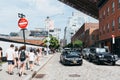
x: 38, y: 64
x: 20, y: 74
x: 24, y: 73
x: 0, y: 69
x: 11, y: 73
x: 31, y: 69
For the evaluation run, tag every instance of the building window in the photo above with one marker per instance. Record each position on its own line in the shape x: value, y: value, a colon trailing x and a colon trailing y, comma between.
x: 113, y: 25
x: 100, y: 18
x: 118, y: 3
x: 108, y: 27
x: 97, y: 37
x: 104, y: 13
x: 108, y: 10
x: 93, y: 37
x: 118, y: 22
x: 113, y: 7
x: 104, y: 30
x: 100, y: 32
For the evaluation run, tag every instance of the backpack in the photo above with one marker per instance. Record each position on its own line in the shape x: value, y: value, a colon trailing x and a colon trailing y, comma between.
x: 22, y: 55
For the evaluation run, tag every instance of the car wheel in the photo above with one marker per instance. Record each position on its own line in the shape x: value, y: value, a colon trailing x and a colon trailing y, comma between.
x: 98, y: 61
x: 90, y: 60
x: 113, y: 63
x: 81, y: 63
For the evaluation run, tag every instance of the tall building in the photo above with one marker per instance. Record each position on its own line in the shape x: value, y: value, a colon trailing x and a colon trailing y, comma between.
x: 109, y: 18
x: 75, y: 22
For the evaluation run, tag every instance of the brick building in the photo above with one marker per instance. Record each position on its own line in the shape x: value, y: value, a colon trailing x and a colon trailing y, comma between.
x: 88, y: 33
x: 109, y: 22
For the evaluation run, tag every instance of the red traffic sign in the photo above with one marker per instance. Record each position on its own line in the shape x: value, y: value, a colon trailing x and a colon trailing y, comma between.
x: 22, y: 23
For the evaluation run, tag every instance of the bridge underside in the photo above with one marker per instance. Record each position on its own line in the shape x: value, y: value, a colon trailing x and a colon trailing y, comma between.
x: 89, y: 7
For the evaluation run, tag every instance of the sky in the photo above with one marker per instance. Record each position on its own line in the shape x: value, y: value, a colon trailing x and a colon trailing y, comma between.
x: 35, y: 11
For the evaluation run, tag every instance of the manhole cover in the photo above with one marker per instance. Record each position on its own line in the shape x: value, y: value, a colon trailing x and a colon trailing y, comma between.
x: 74, y: 75
x: 39, y: 75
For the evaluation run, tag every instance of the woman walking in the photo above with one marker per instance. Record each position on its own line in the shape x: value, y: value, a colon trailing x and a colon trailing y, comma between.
x: 10, y: 58
x: 39, y: 53
x: 22, y: 57
x: 16, y: 57
x: 31, y: 59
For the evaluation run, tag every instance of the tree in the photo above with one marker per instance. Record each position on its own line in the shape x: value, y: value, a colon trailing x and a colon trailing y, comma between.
x: 77, y: 43
x: 70, y: 45
x: 54, y: 43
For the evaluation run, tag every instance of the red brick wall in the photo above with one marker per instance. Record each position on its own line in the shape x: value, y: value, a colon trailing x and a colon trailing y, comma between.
x: 107, y: 19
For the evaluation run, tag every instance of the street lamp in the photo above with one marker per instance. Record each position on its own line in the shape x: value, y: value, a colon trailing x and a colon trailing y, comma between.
x: 47, y: 28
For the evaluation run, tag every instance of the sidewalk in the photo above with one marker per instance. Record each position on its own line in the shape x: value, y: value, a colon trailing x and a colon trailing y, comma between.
x: 5, y: 76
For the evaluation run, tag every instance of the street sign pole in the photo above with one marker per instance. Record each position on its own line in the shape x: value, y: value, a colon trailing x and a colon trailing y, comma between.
x: 24, y: 36
x: 113, y: 44
x: 48, y: 39
x: 22, y: 23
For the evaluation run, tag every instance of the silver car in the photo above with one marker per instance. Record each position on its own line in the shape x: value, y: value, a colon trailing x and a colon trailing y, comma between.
x: 85, y: 53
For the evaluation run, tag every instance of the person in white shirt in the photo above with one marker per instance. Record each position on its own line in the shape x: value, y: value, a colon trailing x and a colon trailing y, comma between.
x: 31, y: 59
x: 0, y: 58
x: 10, y: 58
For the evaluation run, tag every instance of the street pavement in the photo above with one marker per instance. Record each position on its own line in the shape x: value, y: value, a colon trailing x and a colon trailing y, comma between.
x: 5, y: 76
x: 54, y: 70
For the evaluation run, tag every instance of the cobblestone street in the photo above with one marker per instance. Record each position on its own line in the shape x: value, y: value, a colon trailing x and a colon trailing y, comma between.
x: 54, y: 70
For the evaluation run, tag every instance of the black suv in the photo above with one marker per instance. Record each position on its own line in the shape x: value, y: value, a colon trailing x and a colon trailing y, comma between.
x: 102, y: 55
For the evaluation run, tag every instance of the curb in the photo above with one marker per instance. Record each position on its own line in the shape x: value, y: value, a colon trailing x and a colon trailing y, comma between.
x: 30, y: 76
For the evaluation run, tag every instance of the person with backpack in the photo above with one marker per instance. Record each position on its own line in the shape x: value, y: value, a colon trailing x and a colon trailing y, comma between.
x: 22, y: 58
x: 10, y: 58
x: 0, y: 58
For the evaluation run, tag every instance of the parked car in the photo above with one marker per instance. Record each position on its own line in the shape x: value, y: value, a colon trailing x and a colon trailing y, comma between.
x: 101, y: 55
x: 85, y: 53
x: 71, y: 58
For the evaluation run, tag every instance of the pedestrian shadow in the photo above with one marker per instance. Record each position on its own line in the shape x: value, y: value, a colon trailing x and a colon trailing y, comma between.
x: 103, y: 63
x: 69, y: 64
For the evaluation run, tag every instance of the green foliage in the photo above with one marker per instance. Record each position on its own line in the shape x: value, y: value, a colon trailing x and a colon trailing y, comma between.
x: 54, y: 43
x: 77, y: 43
x: 70, y: 45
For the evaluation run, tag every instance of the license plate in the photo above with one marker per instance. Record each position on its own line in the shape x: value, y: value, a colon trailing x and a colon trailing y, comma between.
x: 74, y: 62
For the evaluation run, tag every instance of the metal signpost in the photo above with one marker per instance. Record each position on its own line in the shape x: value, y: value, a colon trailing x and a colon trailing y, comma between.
x: 113, y: 44
x: 48, y: 39
x: 22, y: 23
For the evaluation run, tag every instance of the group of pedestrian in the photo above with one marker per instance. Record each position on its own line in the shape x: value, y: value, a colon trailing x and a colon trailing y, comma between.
x: 21, y: 59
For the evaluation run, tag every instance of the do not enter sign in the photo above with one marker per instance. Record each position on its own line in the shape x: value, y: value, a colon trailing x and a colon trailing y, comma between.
x: 22, y: 23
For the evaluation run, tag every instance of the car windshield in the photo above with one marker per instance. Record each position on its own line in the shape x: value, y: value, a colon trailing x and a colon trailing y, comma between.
x: 74, y: 53
x: 100, y: 50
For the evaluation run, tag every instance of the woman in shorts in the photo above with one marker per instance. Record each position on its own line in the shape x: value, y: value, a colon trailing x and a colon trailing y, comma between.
x: 31, y: 59
x: 22, y: 59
